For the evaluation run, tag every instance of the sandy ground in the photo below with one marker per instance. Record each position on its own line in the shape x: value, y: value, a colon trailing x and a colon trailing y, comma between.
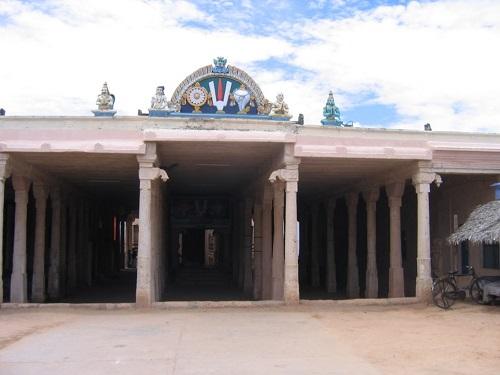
x: 312, y: 339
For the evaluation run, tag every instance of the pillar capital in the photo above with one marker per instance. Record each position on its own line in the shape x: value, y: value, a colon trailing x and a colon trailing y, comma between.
x: 40, y: 191
x: 422, y: 180
x: 149, y: 158
x: 395, y: 189
x: 285, y: 174
x: 21, y: 183
x: 152, y: 173
x: 371, y: 195
x: 4, y: 166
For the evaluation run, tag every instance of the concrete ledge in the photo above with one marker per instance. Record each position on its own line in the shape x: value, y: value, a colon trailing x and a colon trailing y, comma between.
x: 213, y: 304
x: 362, y: 301
x: 92, y: 306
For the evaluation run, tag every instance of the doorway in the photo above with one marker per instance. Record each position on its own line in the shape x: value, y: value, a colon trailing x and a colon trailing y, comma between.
x: 193, y: 247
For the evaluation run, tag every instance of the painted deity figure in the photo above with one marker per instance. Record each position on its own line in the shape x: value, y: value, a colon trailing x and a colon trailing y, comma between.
x: 159, y: 101
x: 279, y: 107
x: 330, y: 110
x: 264, y: 108
x: 242, y: 97
x: 105, y: 100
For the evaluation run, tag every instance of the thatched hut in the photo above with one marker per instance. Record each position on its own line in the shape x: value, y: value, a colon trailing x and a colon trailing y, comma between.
x: 482, y: 226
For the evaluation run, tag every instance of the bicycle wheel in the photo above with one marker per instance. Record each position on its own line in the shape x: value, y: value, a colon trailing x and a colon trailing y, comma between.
x: 476, y: 290
x: 443, y: 293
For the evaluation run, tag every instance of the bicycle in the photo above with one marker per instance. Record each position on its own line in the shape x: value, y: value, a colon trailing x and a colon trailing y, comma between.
x: 445, y: 290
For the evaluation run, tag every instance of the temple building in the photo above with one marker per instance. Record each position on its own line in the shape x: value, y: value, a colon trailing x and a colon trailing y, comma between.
x: 215, y: 194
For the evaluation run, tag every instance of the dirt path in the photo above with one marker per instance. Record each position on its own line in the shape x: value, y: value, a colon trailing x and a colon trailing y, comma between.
x: 16, y: 324
x: 410, y: 339
x: 421, y: 340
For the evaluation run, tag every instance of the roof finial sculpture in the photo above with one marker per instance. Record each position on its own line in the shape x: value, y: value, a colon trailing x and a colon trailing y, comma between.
x: 160, y: 104
x: 280, y: 108
x: 220, y: 65
x: 331, y: 112
x: 105, y: 102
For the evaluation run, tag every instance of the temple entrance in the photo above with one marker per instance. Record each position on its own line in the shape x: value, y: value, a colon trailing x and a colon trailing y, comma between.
x: 200, y: 272
x: 200, y: 261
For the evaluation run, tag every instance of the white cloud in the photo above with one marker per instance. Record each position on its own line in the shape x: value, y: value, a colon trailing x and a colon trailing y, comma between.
x: 426, y: 59
x: 55, y: 63
x: 434, y: 62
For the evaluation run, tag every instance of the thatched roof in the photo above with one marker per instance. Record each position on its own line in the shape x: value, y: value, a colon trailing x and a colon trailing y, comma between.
x: 483, y: 225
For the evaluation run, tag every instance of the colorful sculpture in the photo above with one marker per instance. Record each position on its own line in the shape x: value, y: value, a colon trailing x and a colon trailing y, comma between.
x: 331, y: 112
x: 242, y: 97
x: 220, y: 66
x: 280, y: 108
x: 105, y: 102
x: 218, y: 90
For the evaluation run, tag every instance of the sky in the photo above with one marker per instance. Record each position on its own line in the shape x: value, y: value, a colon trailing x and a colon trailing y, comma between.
x: 391, y: 64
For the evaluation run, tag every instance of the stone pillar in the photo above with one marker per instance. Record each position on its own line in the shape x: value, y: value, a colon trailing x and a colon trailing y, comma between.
x: 18, y: 280
x: 235, y: 243
x: 241, y: 243
x: 247, y: 261
x: 290, y: 175
x: 63, y: 269
x: 81, y: 244
x: 371, y: 197
x: 55, y: 245
x: 422, y: 183
x: 305, y: 243
x: 4, y: 174
x: 267, y: 242
x: 352, y: 262
x: 226, y: 236
x: 257, y: 235
x: 38, y: 281
x: 88, y: 247
x: 149, y: 188
x: 396, y: 273
x: 331, y: 276
x: 72, y: 246
x: 315, y: 245
x: 278, y: 266
x: 291, y: 283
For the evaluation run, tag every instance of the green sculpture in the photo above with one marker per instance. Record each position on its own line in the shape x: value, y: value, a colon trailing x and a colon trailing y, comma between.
x: 331, y: 112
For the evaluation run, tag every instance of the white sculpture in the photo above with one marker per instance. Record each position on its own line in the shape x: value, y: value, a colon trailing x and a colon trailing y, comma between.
x: 280, y: 108
x: 242, y: 97
x: 160, y: 102
x: 105, y: 100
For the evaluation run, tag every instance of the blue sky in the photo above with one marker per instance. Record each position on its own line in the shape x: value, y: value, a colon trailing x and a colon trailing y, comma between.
x: 389, y: 63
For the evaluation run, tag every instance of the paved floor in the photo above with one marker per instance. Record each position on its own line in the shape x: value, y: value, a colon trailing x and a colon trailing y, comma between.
x: 312, y: 338
x: 257, y: 341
